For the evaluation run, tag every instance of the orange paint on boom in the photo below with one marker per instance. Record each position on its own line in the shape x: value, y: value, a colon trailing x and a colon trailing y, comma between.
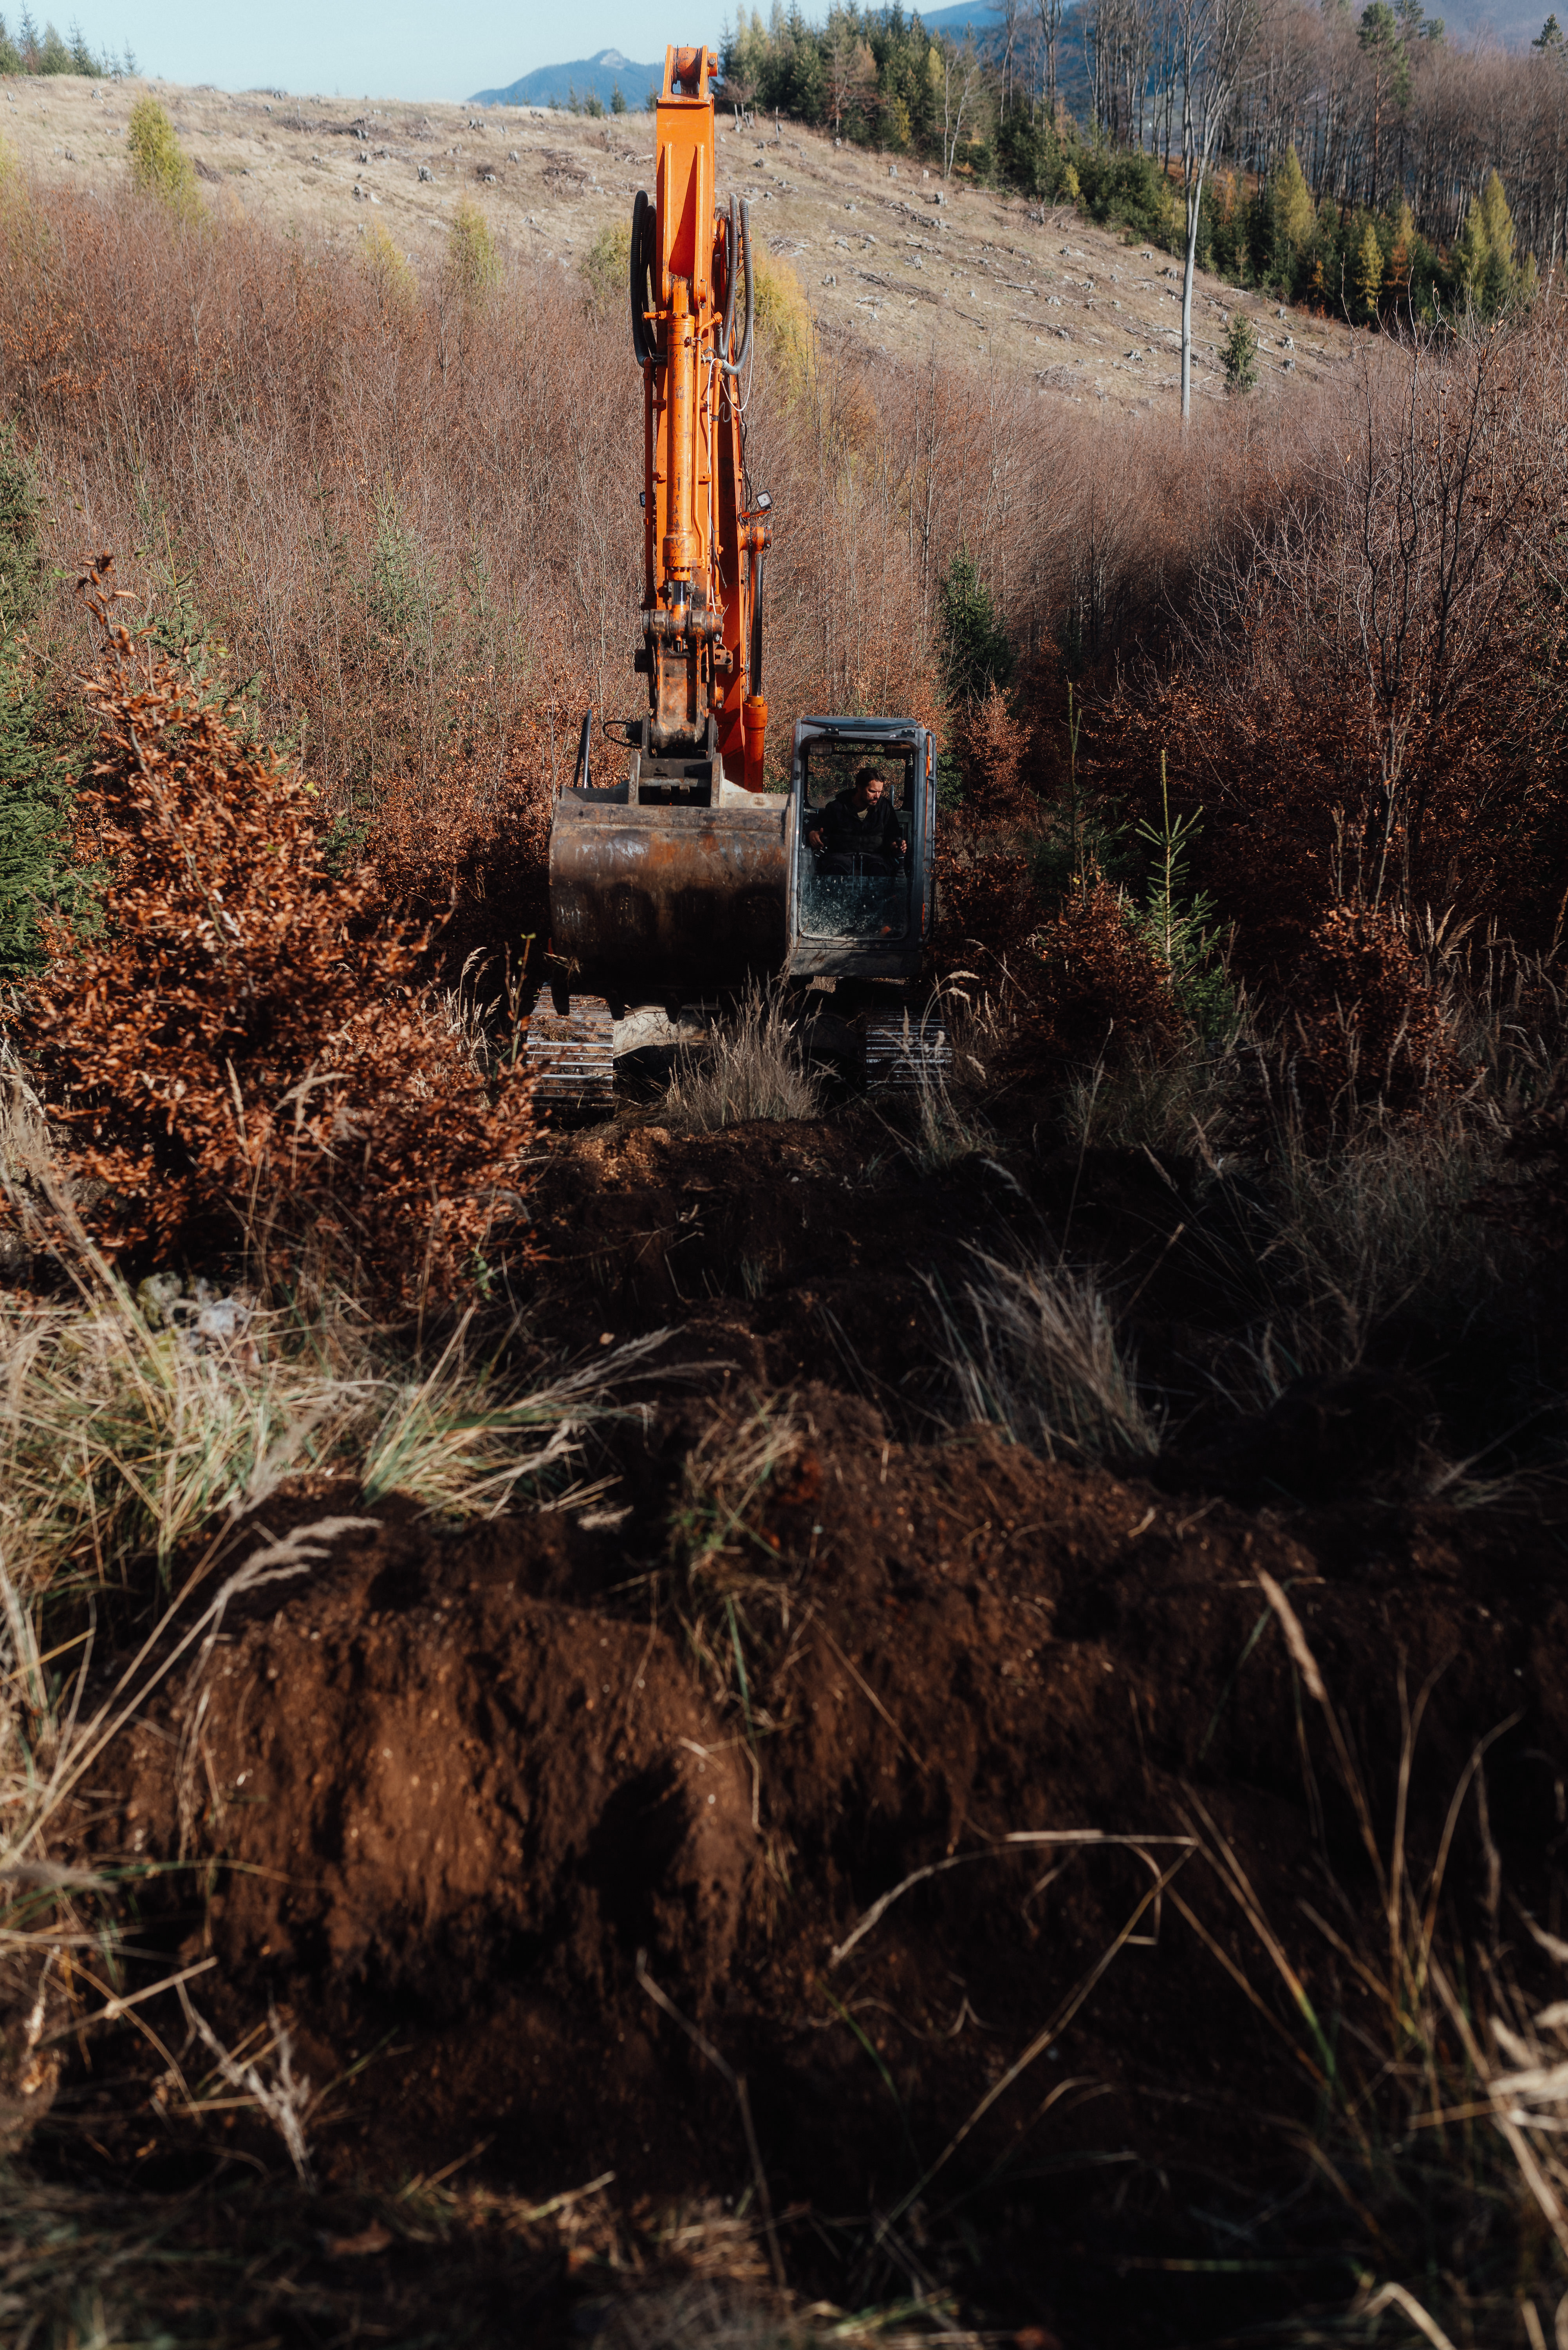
x: 703, y: 549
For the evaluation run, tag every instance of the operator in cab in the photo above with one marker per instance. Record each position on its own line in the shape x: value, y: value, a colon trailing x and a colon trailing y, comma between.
x: 861, y: 831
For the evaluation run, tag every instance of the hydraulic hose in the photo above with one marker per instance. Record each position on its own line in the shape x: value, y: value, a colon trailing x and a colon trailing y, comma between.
x: 755, y: 663
x: 733, y: 367
x: 643, y: 345
x: 730, y: 288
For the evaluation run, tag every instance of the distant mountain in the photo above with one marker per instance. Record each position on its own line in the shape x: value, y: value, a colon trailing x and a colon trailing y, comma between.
x: 953, y: 20
x: 595, y: 77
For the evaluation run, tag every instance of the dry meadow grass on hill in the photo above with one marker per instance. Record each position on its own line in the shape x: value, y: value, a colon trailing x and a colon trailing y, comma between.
x: 1068, y: 310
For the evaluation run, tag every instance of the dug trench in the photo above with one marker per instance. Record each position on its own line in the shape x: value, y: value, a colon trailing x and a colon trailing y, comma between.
x: 901, y: 1774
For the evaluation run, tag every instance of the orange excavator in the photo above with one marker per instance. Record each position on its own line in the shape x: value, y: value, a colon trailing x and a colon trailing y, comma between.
x: 677, y: 878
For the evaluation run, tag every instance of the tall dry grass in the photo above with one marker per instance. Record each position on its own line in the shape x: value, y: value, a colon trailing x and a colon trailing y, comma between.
x: 1294, y: 1247
x: 752, y: 1065
x: 1438, y: 2067
x: 140, y: 1433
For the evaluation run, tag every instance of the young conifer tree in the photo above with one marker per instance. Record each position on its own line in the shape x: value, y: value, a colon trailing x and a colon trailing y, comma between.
x: 37, y: 873
x: 1239, y: 354
x: 1368, y: 272
x: 1295, y: 213
x: 1488, y: 271
x: 159, y: 164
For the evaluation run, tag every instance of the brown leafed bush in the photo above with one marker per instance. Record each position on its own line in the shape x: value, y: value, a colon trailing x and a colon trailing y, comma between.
x: 1369, y: 1025
x: 993, y: 749
x: 985, y: 893
x: 243, y: 1050
x: 1106, y: 990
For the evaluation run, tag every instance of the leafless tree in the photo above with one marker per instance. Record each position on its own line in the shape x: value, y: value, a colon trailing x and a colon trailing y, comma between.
x: 960, y: 84
x: 1050, y: 14
x: 1214, y: 38
x: 1011, y: 10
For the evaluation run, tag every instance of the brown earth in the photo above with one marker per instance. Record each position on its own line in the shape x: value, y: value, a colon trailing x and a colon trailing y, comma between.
x: 478, y: 1809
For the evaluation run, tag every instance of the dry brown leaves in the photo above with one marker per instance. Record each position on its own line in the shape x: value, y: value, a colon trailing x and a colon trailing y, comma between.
x: 244, y: 1046
x: 1370, y: 1025
x: 1105, y: 988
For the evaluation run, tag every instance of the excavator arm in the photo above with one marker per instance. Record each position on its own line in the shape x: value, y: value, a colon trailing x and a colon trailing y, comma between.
x: 693, y: 313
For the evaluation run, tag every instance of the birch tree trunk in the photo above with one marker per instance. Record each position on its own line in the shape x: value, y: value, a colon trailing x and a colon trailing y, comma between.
x: 1215, y: 40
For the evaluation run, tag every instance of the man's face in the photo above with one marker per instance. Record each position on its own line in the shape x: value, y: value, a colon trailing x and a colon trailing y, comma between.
x: 870, y: 791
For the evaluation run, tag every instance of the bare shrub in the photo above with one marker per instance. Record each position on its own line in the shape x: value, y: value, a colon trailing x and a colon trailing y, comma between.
x: 1368, y: 683
x: 750, y: 1069
x: 369, y: 487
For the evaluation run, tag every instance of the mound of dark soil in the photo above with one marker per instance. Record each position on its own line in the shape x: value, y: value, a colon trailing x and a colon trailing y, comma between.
x: 450, y: 1800
x: 897, y: 1777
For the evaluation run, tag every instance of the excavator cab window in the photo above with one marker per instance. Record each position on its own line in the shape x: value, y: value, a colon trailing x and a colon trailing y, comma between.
x: 855, y: 833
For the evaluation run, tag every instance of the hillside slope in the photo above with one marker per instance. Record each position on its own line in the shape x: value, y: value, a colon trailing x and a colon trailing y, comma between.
x: 891, y: 260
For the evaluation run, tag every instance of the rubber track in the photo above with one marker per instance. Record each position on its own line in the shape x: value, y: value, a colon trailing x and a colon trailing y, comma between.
x: 906, y: 1053
x: 572, y: 1055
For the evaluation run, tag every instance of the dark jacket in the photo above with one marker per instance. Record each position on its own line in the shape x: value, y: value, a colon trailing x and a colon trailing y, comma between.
x: 846, y: 829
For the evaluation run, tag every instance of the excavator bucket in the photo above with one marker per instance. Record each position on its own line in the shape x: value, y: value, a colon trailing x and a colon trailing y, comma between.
x: 651, y: 897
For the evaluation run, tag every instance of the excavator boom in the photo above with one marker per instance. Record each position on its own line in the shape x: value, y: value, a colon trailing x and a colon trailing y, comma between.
x: 703, y: 549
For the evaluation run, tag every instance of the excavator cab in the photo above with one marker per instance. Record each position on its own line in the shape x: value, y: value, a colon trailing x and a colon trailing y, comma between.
x: 857, y: 913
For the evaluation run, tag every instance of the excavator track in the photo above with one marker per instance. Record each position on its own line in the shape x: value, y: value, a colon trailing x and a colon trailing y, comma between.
x: 571, y: 1054
x: 906, y: 1053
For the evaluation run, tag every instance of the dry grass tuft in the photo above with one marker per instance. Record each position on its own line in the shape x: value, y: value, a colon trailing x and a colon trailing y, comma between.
x: 1319, y: 1254
x: 1175, y: 1101
x: 1033, y: 1350
x: 137, y: 1435
x: 122, y: 1441
x: 27, y: 1153
x: 751, y: 1068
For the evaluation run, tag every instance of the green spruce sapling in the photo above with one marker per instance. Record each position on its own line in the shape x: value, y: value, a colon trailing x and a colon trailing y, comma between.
x: 1178, y: 925
x: 1239, y: 353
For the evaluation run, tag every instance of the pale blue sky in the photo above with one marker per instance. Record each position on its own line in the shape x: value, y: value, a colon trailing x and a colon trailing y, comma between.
x: 392, y: 50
